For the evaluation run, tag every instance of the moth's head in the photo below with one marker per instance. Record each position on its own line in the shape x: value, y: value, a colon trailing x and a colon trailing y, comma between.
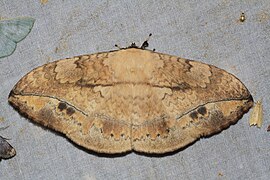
x: 144, y: 45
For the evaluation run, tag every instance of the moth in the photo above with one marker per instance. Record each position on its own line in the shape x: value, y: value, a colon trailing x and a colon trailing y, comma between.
x: 6, y: 150
x: 256, y: 117
x: 131, y: 99
x: 13, y: 31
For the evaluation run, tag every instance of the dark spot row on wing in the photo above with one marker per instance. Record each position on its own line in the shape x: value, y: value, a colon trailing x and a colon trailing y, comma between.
x: 201, y: 110
x: 63, y: 106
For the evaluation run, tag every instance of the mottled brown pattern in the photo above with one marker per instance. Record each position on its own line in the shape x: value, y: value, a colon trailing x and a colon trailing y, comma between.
x: 131, y: 99
x: 6, y: 150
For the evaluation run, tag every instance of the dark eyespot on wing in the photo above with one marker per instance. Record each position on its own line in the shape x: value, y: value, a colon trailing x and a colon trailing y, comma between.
x: 194, y: 115
x: 202, y: 110
x: 62, y: 106
x: 70, y: 111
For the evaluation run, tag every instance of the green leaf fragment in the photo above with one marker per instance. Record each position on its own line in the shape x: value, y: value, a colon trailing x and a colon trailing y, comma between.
x: 13, y: 31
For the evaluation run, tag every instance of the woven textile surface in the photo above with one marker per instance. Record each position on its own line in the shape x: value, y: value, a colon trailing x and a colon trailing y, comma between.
x: 207, y: 31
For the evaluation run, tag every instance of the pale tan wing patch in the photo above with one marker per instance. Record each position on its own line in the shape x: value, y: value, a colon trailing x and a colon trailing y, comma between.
x: 256, y: 117
x: 131, y: 99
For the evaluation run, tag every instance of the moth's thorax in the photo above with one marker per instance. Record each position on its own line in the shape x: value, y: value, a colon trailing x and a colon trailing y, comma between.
x: 133, y: 65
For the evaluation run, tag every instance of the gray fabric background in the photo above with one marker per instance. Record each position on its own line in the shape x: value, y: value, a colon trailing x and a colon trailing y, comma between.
x: 208, y: 31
